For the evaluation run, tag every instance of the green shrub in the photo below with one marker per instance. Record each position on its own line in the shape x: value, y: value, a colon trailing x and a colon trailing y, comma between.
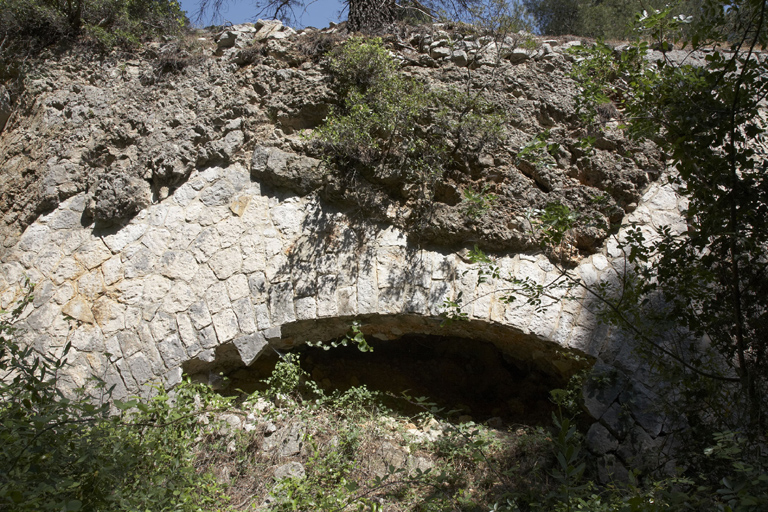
x: 395, y: 129
x: 108, y: 23
x: 363, y: 65
x: 609, y: 19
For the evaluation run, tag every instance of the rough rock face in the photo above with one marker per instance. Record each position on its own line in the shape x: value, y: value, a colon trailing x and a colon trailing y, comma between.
x: 104, y: 128
x: 180, y: 216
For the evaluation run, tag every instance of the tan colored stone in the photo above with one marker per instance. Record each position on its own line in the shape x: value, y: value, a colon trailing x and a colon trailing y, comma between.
x: 79, y: 309
x: 239, y: 205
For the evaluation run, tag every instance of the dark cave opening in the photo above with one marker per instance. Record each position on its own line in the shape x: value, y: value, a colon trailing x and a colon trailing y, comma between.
x: 468, y: 377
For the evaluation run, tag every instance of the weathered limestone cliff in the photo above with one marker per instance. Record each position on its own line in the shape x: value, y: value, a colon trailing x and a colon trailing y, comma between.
x: 174, y: 215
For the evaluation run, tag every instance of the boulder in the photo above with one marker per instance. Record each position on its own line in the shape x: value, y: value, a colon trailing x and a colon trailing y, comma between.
x: 279, y: 168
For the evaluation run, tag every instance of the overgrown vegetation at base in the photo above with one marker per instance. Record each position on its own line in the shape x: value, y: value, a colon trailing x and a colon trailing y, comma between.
x: 194, y: 450
x: 69, y: 453
x: 296, y: 447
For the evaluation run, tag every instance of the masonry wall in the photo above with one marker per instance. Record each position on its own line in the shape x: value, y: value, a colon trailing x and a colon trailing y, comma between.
x: 222, y: 262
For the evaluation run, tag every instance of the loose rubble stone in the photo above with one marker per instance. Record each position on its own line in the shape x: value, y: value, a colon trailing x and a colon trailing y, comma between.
x: 290, y: 470
x: 287, y: 441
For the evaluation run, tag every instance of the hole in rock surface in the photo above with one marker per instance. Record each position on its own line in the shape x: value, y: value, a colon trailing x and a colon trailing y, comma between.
x: 470, y: 377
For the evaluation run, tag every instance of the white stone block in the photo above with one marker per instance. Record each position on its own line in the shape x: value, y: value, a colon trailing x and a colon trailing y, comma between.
x: 155, y: 288
x: 367, y: 293
x: 162, y: 325
x: 254, y: 259
x: 217, y: 297
x: 156, y: 214
x: 67, y: 270
x: 92, y: 254
x: 206, y: 244
x: 112, y: 345
x: 202, y: 280
x: 346, y: 301
x: 390, y: 262
x: 187, y: 332
x: 47, y: 260
x: 230, y: 230
x: 251, y: 347
x: 326, y: 296
x: 237, y: 287
x: 140, y: 262
x: 306, y: 308
x: 140, y: 369
x: 128, y: 234
x: 109, y: 315
x: 112, y: 270
x: 482, y: 301
x: 225, y: 323
x: 172, y: 351
x: 288, y: 217
x: 392, y: 237
x: 664, y: 199
x: 417, y: 300
x: 131, y: 291
x: 156, y: 240
x: 257, y: 285
x: 35, y: 237
x: 519, y: 315
x: 599, y: 261
x: 262, y: 316
x: 185, y: 194
x: 587, y: 273
x: 562, y: 333
x: 281, y: 304
x: 327, y: 264
x: 439, y: 291
x: 278, y: 268
x: 207, y: 337
x: 226, y: 262
x: 133, y: 315
x: 182, y: 238
x: 391, y: 300
x: 175, y: 217
x: 246, y: 317
x: 199, y: 314
x: 544, y: 321
x: 179, y: 298
x: 91, y: 285
x: 42, y: 317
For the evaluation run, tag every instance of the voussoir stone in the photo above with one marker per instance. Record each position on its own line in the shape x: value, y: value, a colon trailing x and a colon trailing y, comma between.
x: 177, y: 265
x: 226, y: 262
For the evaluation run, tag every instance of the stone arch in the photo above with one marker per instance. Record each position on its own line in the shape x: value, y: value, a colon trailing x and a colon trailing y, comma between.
x: 220, y: 269
x: 532, y: 351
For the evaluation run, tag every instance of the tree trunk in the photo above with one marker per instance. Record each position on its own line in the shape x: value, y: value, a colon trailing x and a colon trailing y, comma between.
x: 370, y: 15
